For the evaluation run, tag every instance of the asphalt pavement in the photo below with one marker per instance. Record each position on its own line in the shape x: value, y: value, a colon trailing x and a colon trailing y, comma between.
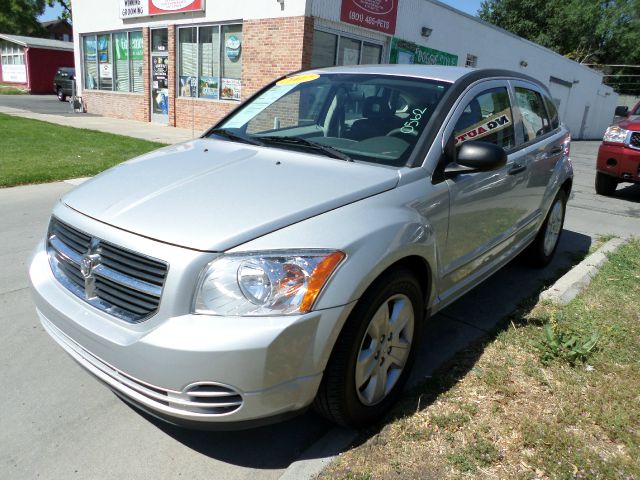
x: 56, y: 422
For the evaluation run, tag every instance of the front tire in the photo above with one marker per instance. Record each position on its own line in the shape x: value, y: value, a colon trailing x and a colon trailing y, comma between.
x: 373, y: 355
x: 605, y: 184
x: 61, y: 96
x: 541, y: 251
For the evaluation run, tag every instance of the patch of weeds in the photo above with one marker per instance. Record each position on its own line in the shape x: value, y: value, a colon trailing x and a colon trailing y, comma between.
x: 450, y: 421
x: 481, y: 453
x: 566, y: 345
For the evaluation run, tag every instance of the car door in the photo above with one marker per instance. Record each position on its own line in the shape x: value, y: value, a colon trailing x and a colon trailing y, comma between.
x: 486, y: 212
x: 543, y: 144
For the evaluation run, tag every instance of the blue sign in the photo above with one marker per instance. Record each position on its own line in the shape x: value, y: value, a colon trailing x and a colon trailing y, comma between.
x: 232, y: 48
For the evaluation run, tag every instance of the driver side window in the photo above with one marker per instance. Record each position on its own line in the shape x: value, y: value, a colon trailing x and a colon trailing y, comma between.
x: 488, y: 117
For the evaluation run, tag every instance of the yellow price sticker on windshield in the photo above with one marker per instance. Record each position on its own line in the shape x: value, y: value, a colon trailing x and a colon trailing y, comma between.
x: 298, y: 79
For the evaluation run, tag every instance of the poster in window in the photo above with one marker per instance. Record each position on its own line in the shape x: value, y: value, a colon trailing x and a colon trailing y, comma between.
x: 106, y: 70
x: 188, y: 86
x: 230, y: 89
x: 208, y: 87
x: 103, y: 48
x: 90, y: 49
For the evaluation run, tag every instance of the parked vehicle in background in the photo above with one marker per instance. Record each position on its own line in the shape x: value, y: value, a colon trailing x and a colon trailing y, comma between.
x: 619, y: 153
x: 63, y: 82
x: 290, y: 255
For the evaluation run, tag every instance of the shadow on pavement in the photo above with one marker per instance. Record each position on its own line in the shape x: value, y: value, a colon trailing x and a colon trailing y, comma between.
x: 629, y: 192
x: 451, y: 343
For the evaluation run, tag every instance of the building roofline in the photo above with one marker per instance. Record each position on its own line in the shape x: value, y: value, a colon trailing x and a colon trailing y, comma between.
x: 513, y: 35
x: 35, y: 42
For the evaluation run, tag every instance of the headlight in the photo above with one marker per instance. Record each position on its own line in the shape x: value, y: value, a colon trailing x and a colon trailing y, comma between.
x: 615, y: 134
x: 264, y: 283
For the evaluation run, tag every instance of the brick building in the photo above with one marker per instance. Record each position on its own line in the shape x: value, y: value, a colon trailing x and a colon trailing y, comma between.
x: 188, y: 63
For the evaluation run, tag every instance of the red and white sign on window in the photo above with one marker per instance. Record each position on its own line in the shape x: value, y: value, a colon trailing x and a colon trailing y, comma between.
x: 374, y: 14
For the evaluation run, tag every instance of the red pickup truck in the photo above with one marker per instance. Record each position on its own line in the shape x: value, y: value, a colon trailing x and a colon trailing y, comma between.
x: 619, y: 154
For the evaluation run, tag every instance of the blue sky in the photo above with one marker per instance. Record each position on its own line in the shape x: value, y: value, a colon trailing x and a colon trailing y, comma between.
x: 469, y: 6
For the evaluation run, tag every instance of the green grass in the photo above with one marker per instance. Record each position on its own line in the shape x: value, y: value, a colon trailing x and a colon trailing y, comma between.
x: 11, y: 90
x: 507, y: 409
x: 37, y: 152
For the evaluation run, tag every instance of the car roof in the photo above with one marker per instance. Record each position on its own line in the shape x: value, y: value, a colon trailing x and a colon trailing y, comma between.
x: 430, y: 72
x: 433, y: 72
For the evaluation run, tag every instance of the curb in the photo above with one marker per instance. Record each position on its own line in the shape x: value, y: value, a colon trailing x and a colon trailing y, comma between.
x: 320, y: 454
x: 570, y: 284
x: 76, y: 181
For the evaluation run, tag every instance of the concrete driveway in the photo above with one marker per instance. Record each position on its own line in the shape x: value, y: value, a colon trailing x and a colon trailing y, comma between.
x: 59, y: 423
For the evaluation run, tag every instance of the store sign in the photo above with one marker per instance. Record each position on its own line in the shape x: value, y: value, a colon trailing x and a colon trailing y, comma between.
x: 232, y: 48
x: 377, y: 15
x: 14, y: 73
x: 406, y: 52
x: 145, y: 8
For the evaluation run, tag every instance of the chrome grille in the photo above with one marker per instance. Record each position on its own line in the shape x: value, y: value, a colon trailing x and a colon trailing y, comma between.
x: 634, y: 141
x: 118, y: 281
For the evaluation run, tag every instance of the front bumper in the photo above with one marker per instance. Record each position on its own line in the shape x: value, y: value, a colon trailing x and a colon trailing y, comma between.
x: 620, y: 161
x: 243, y: 369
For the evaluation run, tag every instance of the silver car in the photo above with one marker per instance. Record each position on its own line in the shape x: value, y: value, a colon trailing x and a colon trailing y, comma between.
x: 290, y: 255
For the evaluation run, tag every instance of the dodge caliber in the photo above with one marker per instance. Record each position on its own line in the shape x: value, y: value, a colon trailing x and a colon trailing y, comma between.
x: 289, y: 256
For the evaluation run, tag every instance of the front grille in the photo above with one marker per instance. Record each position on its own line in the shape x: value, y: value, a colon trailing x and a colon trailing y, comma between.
x: 123, y: 283
x: 634, y: 141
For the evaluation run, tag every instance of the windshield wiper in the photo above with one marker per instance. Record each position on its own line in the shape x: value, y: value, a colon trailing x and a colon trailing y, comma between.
x: 329, y: 151
x: 223, y: 132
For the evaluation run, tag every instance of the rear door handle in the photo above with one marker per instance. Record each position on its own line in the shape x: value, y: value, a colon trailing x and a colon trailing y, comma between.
x: 516, y: 168
x: 556, y: 150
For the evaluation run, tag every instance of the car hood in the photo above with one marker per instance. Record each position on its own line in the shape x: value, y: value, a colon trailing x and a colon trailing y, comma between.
x: 213, y: 195
x: 630, y: 123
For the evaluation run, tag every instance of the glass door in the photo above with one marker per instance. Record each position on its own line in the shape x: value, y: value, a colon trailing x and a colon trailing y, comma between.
x: 159, y: 75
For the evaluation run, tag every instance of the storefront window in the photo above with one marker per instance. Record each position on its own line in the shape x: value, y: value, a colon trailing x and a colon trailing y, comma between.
x: 121, y: 54
x: 209, y: 80
x: 90, y: 62
x: 113, y: 62
x: 331, y: 49
x: 324, y: 49
x: 210, y: 62
x: 105, y: 67
x: 371, y: 53
x: 349, y: 52
x: 135, y: 44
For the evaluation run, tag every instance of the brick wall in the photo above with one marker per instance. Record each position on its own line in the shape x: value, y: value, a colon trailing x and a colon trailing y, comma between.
x: 200, y: 114
x: 118, y: 105
x: 274, y: 47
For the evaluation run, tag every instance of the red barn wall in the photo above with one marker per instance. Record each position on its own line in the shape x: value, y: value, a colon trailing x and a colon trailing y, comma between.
x: 42, y: 66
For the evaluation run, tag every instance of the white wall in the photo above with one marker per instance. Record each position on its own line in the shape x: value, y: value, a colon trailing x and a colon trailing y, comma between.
x: 458, y: 33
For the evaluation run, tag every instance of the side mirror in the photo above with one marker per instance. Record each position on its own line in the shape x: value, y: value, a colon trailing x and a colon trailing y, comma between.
x: 622, y: 111
x: 477, y: 157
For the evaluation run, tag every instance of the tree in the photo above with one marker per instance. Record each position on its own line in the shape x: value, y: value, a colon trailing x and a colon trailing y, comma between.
x: 66, y: 8
x: 594, y: 32
x: 20, y: 17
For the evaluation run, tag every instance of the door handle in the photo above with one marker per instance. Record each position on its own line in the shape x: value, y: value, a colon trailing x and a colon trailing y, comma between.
x: 516, y: 168
x: 556, y: 150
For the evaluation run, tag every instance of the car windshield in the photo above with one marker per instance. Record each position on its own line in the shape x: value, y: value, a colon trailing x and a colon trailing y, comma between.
x: 373, y: 118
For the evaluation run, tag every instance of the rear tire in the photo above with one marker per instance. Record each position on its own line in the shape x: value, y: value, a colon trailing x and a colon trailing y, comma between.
x: 372, y: 358
x: 605, y: 184
x: 61, y: 96
x: 541, y: 251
